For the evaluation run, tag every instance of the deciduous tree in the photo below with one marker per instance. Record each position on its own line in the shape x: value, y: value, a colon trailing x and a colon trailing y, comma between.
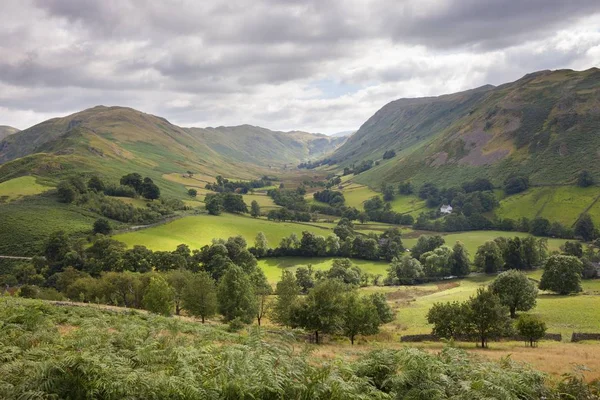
x: 515, y: 291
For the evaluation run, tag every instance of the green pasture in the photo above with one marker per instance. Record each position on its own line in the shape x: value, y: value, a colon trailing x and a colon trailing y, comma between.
x: 473, y: 239
x: 562, y: 314
x: 356, y: 195
x: 562, y: 204
x: 19, y: 187
x: 273, y: 267
x: 199, y: 230
x: 408, y: 204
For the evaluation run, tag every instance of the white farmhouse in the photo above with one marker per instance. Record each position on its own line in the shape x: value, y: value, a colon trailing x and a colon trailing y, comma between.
x: 446, y: 209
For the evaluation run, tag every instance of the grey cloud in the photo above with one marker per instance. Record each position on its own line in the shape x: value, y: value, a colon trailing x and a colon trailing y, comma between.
x: 489, y: 24
x: 238, y: 61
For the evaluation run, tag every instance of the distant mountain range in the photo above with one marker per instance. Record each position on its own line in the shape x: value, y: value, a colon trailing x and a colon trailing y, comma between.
x: 545, y: 125
x: 342, y: 134
x: 110, y: 140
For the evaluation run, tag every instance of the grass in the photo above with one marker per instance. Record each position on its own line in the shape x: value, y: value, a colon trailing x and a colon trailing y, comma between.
x: 408, y: 204
x: 27, y: 223
x: 199, y: 230
x: 562, y: 204
x: 473, y: 239
x: 356, y: 195
x: 273, y: 267
x: 562, y: 314
x: 19, y: 187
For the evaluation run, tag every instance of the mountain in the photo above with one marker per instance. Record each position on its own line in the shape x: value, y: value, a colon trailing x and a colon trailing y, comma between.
x: 343, y: 134
x: 7, y: 130
x: 114, y: 140
x: 545, y: 125
x: 264, y: 147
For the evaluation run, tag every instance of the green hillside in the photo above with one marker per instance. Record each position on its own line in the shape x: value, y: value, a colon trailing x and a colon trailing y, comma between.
x: 264, y: 147
x: 6, y: 131
x: 544, y: 125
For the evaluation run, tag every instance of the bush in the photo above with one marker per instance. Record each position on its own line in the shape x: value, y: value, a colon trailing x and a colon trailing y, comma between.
x: 531, y: 328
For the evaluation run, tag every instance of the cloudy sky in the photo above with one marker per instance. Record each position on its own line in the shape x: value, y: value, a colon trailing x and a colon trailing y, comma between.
x: 315, y: 65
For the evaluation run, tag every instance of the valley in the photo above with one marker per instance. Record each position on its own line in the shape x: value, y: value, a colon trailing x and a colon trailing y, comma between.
x: 122, y: 210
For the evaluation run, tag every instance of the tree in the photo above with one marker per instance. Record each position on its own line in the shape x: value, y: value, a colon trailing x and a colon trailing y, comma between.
x: 102, y: 226
x: 262, y: 289
x: 540, y: 226
x: 437, y: 263
x: 159, y: 296
x: 359, y: 316
x: 388, y: 192
x: 448, y: 319
x: 254, y: 209
x: 405, y: 271
x: 562, y: 274
x: 585, y: 227
x: 235, y: 295
x: 200, y: 296
x: 321, y: 310
x: 343, y: 270
x: 178, y: 279
x: 425, y: 244
x: 461, y: 266
x: 287, y: 295
x: 214, y: 205
x: 515, y: 291
x: 304, y: 278
x: 585, y: 179
x: 150, y: 190
x: 66, y: 192
x: 572, y: 249
x: 384, y: 311
x: 489, y: 258
x: 531, y: 328
x: 261, y: 245
x: 516, y: 184
x: 486, y: 317
x: 405, y: 188
x: 56, y: 248
x: 192, y: 193
x: 96, y: 184
x: 133, y: 180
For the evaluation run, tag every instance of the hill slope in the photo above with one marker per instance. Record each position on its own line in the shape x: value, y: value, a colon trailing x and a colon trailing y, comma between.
x: 113, y: 140
x: 6, y: 131
x: 545, y: 125
x: 262, y: 146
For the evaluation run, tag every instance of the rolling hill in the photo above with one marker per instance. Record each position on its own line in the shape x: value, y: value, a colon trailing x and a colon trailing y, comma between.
x: 545, y: 125
x: 114, y: 140
x: 6, y: 131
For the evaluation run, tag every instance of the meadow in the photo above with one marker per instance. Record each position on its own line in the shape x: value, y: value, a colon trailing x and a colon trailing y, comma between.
x: 562, y: 314
x: 18, y: 187
x: 273, y: 267
x: 562, y: 204
x: 199, y: 230
x: 473, y: 239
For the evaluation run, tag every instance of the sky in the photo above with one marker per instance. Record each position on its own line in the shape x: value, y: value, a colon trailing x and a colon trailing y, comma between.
x: 313, y: 65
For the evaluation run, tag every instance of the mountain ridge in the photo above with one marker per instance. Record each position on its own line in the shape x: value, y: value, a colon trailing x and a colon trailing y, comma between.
x: 543, y: 125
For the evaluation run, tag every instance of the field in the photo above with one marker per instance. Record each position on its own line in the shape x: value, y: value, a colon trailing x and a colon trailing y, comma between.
x: 273, y: 267
x: 356, y: 195
x: 562, y: 204
x: 19, y: 187
x: 473, y: 239
x: 27, y: 223
x: 413, y: 303
x: 408, y: 205
x: 199, y: 230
